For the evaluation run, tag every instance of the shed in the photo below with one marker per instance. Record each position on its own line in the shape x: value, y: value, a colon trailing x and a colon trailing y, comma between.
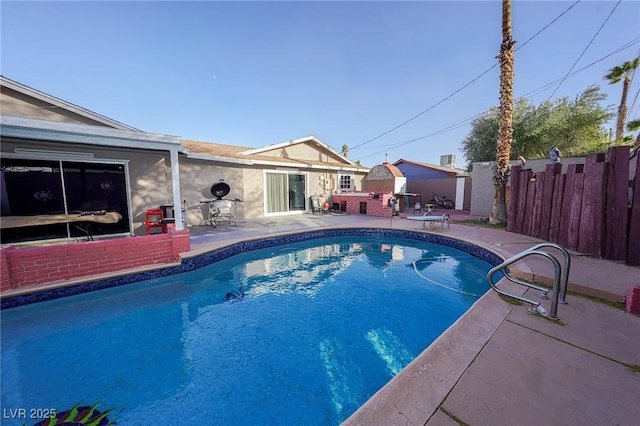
x: 444, y: 180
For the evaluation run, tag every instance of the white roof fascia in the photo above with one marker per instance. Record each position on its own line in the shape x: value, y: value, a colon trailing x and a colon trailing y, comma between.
x: 28, y: 128
x: 247, y: 162
x: 276, y: 146
x: 218, y: 158
x: 297, y: 141
x: 14, y: 85
x: 304, y: 165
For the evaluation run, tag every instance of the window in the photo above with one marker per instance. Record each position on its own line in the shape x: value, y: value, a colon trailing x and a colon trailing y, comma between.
x: 346, y: 183
x: 41, y: 187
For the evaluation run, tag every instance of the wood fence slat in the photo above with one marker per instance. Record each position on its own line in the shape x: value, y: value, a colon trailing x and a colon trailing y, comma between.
x: 633, y: 243
x: 538, y: 205
x: 514, y: 193
x: 528, y: 207
x: 522, y: 198
x: 570, y: 216
x: 576, y: 211
x: 546, y: 197
x: 591, y: 232
x: 556, y: 208
x: 616, y: 215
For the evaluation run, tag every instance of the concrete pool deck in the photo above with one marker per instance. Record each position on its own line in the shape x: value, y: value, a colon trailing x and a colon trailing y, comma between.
x: 499, y: 364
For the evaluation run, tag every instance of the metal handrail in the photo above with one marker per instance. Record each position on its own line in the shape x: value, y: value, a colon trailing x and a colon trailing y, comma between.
x: 559, y: 283
x: 565, y: 268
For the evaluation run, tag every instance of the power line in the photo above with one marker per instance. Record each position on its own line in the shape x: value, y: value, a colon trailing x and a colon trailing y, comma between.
x: 548, y: 85
x: 388, y: 147
x: 585, y: 49
x: 464, y: 86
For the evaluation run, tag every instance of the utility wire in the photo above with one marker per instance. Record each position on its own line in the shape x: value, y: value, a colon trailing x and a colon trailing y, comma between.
x: 585, y: 50
x: 388, y: 147
x: 464, y: 86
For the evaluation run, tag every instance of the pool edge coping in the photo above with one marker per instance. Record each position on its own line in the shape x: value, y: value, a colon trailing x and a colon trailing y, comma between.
x: 217, y: 251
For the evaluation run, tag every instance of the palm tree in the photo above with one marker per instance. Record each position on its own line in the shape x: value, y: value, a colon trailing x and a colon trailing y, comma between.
x: 505, y: 132
x: 622, y: 73
x: 345, y: 150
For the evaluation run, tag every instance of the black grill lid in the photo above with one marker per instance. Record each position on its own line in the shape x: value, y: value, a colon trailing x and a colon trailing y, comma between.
x: 220, y: 189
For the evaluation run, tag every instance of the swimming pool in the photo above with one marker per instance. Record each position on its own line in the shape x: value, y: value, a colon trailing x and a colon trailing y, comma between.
x: 302, y: 333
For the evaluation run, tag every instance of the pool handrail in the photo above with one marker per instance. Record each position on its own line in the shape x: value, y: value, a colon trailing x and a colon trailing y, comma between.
x: 565, y: 268
x: 559, y: 283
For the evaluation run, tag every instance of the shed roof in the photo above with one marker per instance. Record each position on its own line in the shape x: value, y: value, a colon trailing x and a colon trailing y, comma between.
x: 453, y: 172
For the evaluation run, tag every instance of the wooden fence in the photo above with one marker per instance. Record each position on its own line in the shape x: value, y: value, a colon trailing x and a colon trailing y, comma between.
x: 586, y: 210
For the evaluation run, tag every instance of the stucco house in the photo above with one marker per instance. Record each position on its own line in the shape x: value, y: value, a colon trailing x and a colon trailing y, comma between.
x: 59, y: 158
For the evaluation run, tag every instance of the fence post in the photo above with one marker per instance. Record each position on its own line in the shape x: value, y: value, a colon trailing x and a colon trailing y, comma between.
x: 633, y: 243
x: 616, y: 215
x: 522, y: 200
x: 547, y: 199
x: 572, y: 200
x: 529, y: 204
x: 556, y: 208
x: 592, y: 217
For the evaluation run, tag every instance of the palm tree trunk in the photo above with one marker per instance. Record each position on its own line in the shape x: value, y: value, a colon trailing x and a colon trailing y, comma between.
x: 505, y: 133
x: 622, y: 111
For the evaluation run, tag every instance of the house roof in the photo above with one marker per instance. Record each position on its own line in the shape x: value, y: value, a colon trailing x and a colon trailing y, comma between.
x: 29, y: 128
x: 59, y: 103
x: 448, y: 170
x: 258, y: 156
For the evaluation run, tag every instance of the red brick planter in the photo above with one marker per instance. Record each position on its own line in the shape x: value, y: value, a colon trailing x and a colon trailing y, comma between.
x: 29, y: 266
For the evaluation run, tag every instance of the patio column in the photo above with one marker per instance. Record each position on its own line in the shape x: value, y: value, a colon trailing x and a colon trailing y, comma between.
x: 175, y: 184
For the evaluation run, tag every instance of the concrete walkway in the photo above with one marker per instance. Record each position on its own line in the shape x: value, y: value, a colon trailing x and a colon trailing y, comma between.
x: 500, y: 364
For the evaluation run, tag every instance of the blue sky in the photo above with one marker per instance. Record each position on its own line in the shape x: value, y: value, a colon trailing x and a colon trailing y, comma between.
x: 258, y: 73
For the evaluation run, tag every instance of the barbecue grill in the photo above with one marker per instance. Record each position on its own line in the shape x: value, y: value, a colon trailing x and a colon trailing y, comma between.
x: 220, y: 210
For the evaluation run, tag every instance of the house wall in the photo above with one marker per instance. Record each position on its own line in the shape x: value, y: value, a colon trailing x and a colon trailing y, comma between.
x: 482, y: 193
x: 443, y: 187
x: 196, y: 179
x: 247, y: 184
x: 21, y: 267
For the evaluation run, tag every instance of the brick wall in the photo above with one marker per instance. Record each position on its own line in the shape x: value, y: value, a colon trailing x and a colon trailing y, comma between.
x: 39, y: 265
x: 375, y: 207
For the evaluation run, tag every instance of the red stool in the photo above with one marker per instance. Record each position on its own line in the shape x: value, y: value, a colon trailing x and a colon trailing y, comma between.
x: 153, y: 219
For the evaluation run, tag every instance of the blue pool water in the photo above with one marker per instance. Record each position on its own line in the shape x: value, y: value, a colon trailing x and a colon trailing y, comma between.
x: 302, y: 333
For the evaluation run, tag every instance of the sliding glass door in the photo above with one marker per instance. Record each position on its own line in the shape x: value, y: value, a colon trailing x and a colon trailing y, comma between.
x: 52, y: 187
x: 285, y: 192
